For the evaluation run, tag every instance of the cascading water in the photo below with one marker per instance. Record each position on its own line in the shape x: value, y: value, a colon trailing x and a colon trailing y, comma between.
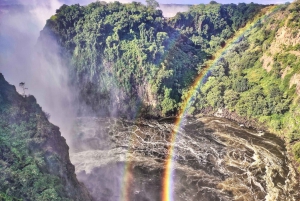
x: 215, y: 159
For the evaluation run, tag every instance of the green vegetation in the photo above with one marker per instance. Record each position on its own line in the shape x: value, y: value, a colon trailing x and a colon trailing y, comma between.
x: 209, y: 26
x: 239, y: 83
x: 130, y: 53
x: 294, y: 19
x: 296, y: 150
x: 33, y: 162
x: 127, y: 58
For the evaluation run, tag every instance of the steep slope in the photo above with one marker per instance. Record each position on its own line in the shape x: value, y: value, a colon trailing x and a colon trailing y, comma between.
x: 257, y: 77
x: 128, y: 59
x: 34, y: 157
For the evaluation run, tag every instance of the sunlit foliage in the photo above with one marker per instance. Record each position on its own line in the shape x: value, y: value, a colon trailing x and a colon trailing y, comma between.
x: 131, y: 52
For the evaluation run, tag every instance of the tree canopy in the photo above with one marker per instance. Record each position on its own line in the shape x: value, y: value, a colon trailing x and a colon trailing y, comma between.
x: 131, y: 53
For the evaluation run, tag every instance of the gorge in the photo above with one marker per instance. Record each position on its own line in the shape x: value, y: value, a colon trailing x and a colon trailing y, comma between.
x: 200, y: 106
x: 215, y: 160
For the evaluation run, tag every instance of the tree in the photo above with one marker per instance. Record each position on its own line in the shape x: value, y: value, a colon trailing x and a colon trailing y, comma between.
x: 152, y: 4
x: 22, y: 85
x: 168, y: 104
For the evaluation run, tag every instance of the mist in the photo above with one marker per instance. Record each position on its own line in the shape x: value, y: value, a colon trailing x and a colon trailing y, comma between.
x: 21, y: 61
x: 170, y: 10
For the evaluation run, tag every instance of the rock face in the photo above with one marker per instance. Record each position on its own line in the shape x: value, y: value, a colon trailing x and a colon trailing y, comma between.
x: 215, y: 160
x: 34, y: 157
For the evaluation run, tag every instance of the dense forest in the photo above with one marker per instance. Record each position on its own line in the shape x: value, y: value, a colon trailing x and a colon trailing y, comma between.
x: 129, y: 53
x: 127, y: 59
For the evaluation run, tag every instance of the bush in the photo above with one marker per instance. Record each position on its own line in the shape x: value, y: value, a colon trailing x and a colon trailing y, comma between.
x: 296, y: 150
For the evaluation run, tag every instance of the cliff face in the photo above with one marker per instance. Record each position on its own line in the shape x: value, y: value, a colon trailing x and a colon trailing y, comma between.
x: 128, y: 59
x: 34, y: 157
x: 258, y: 76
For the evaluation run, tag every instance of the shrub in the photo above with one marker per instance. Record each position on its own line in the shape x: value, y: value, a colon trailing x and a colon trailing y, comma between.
x: 296, y: 150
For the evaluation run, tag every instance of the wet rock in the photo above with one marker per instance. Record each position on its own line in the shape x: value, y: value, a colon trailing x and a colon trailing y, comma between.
x: 214, y: 159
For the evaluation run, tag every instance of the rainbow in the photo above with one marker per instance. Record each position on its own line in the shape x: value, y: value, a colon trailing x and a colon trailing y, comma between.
x: 127, y: 178
x: 128, y: 167
x: 168, y: 182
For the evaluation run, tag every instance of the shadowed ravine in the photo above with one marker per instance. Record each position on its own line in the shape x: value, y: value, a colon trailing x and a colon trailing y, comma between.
x: 216, y: 160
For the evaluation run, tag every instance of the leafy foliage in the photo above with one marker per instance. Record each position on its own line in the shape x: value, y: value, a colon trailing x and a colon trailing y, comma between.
x: 145, y: 61
x: 238, y: 82
x: 296, y: 150
x: 31, y: 168
x: 127, y: 56
x: 209, y: 26
x: 240, y: 90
